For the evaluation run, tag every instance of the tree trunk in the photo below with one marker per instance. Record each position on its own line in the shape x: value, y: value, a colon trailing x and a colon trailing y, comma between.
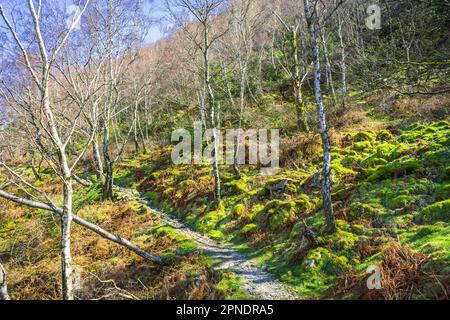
x: 328, y: 71
x: 108, y: 193
x: 109, y: 166
x: 215, y: 164
x: 66, y: 258
x: 36, y: 174
x: 3, y: 287
x: 97, y: 161
x: 243, y: 68
x: 343, y: 65
x: 135, y: 129
x: 141, y: 134
x: 300, y: 107
x: 326, y: 179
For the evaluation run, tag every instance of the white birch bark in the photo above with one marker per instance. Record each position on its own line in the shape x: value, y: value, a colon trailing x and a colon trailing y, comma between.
x: 86, y: 224
x: 326, y: 178
x: 3, y: 286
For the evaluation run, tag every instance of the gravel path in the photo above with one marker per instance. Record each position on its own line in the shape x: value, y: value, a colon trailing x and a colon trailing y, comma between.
x: 256, y: 282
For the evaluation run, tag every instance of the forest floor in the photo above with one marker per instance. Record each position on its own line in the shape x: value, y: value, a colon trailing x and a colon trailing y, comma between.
x: 390, y: 198
x: 255, y: 282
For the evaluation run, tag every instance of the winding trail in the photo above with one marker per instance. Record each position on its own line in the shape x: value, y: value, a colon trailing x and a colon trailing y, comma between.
x: 256, y: 283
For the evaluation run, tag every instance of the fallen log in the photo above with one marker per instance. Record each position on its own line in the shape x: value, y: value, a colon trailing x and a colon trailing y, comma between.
x: 88, y: 225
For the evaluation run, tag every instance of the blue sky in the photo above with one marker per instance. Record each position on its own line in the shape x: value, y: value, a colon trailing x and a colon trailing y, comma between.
x: 155, y: 8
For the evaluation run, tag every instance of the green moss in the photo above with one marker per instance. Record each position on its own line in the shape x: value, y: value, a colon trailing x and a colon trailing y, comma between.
x: 321, y: 262
x: 168, y: 257
x: 383, y: 150
x: 443, y: 192
x: 236, y: 186
x: 11, y: 227
x: 363, y: 210
x: 285, y: 185
x: 216, y: 235
x: 280, y: 218
x: 239, y: 210
x: 276, y: 212
x: 373, y: 161
x: 340, y: 172
x: 430, y: 239
x: 303, y: 204
x: 365, y: 136
x: 230, y: 286
x: 439, y: 211
x: 186, y: 247
x: 443, y: 124
x: 291, y: 188
x: 396, y: 168
x: 384, y: 135
x: 249, y: 229
x: 163, y: 230
x: 399, y: 202
x: 362, y: 146
x: 342, y: 191
x: 341, y: 241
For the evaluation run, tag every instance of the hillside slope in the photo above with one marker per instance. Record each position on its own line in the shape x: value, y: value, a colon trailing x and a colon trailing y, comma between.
x: 391, y: 198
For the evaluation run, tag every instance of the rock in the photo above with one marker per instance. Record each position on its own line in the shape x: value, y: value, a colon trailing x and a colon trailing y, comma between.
x: 280, y: 188
x: 389, y: 102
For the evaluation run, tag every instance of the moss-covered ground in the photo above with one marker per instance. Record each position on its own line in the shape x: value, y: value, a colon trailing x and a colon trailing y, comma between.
x: 29, y: 242
x: 390, y: 185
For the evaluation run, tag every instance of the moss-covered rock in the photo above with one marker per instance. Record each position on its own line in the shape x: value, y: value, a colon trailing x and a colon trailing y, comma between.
x: 322, y: 262
x: 303, y: 204
x: 397, y: 168
x: 364, y: 210
x: 363, y: 145
x: 248, y: 229
x: 280, y: 186
x: 384, y: 135
x: 373, y: 161
x: 365, y: 136
x: 439, y: 211
x: 236, y: 186
x: 399, y: 202
x: 339, y: 172
x: 277, y: 213
x: 239, y: 210
x: 443, y: 192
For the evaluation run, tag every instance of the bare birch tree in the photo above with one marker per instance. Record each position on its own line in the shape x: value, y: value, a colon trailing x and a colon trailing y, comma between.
x: 117, y: 29
x: 201, y: 34
x: 340, y: 26
x: 312, y: 19
x: 41, y: 76
x: 296, y: 71
x: 245, y: 18
x: 37, y: 98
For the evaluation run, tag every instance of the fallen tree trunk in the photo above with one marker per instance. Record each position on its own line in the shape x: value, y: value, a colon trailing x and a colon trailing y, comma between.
x: 88, y: 225
x: 3, y: 289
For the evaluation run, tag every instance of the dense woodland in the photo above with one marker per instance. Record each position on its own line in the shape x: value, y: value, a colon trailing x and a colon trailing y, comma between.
x: 359, y: 91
